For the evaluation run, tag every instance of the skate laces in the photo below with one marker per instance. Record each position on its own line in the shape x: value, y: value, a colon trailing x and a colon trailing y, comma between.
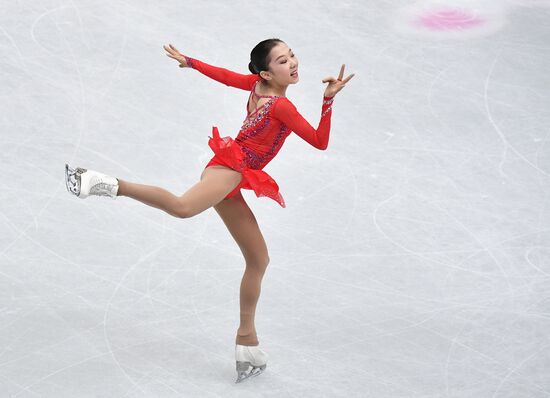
x: 101, y: 186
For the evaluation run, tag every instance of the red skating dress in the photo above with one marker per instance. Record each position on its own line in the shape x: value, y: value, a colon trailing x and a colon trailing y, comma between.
x: 262, y: 134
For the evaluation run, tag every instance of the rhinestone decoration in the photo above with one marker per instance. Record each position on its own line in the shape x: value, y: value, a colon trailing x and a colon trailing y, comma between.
x: 326, y: 111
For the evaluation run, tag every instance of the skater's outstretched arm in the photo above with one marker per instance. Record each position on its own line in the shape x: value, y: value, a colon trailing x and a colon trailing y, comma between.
x: 222, y: 75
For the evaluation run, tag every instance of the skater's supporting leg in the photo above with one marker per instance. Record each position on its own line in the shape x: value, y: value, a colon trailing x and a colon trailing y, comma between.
x: 216, y: 182
x: 244, y: 228
x: 249, y: 295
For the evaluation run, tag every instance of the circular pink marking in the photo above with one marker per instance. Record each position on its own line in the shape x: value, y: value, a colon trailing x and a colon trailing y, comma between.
x: 449, y: 19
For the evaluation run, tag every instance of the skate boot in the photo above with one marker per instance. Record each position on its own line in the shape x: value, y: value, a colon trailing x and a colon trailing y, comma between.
x: 246, y: 357
x: 83, y: 183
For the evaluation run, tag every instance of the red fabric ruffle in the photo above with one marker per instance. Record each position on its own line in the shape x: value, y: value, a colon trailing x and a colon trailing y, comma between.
x: 228, y: 151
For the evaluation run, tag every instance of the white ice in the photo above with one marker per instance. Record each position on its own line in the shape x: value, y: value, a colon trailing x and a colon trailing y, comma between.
x: 412, y: 260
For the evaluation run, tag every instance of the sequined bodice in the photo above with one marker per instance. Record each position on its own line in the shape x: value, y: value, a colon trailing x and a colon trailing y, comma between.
x: 261, y: 135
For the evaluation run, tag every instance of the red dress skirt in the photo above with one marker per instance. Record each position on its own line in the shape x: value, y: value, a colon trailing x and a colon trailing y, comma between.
x: 228, y: 153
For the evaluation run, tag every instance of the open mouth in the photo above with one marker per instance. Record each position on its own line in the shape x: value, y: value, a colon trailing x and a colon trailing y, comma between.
x: 295, y: 73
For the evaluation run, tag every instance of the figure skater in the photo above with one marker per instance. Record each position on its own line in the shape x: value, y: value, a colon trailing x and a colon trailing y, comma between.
x: 236, y: 164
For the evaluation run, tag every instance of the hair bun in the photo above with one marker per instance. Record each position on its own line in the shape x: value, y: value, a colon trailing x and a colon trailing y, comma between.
x: 252, y: 68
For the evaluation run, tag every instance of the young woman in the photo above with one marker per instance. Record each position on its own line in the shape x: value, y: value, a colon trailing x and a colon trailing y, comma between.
x: 236, y: 164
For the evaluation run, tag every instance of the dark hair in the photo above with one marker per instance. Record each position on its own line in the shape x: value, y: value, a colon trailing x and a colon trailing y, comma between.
x: 259, y: 54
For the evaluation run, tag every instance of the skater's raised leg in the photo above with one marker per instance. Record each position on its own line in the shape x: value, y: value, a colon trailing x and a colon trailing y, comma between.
x: 216, y: 182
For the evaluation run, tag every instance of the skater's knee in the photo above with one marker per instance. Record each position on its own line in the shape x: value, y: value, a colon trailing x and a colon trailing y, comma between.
x: 182, y: 210
x: 258, y: 260
x: 257, y: 263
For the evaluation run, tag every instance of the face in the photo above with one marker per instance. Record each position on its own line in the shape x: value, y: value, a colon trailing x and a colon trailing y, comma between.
x: 283, y: 62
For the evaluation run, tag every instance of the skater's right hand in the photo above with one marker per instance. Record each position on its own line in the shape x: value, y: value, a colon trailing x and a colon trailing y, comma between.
x: 174, y: 53
x: 335, y: 85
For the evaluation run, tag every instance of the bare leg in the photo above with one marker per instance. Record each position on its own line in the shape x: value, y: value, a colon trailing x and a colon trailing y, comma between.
x: 244, y: 228
x: 216, y: 182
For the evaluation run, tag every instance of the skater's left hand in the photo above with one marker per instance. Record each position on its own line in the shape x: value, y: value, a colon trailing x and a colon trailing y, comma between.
x: 335, y: 85
x: 174, y: 53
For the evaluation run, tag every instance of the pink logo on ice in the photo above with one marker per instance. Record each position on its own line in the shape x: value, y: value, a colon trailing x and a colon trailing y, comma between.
x: 448, y: 19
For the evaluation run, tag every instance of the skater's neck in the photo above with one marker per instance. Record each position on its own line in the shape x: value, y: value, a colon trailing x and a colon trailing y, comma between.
x: 273, y: 88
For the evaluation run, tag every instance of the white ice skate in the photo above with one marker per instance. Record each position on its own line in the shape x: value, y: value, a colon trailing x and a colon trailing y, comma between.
x: 83, y: 183
x: 246, y: 357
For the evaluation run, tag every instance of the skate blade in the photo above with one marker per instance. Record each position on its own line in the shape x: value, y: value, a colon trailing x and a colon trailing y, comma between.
x: 72, y: 179
x: 255, y: 371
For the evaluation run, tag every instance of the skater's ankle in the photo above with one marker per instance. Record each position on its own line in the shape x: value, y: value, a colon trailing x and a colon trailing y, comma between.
x: 247, y: 344
x: 121, y: 187
x: 248, y: 340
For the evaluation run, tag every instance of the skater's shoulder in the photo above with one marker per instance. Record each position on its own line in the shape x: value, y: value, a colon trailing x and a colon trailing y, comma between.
x: 282, y: 105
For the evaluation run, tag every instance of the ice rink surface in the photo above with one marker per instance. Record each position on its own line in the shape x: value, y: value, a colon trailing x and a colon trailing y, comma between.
x: 412, y: 259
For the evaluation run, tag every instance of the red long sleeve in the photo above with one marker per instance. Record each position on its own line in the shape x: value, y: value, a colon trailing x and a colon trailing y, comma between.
x: 286, y: 112
x: 222, y: 75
